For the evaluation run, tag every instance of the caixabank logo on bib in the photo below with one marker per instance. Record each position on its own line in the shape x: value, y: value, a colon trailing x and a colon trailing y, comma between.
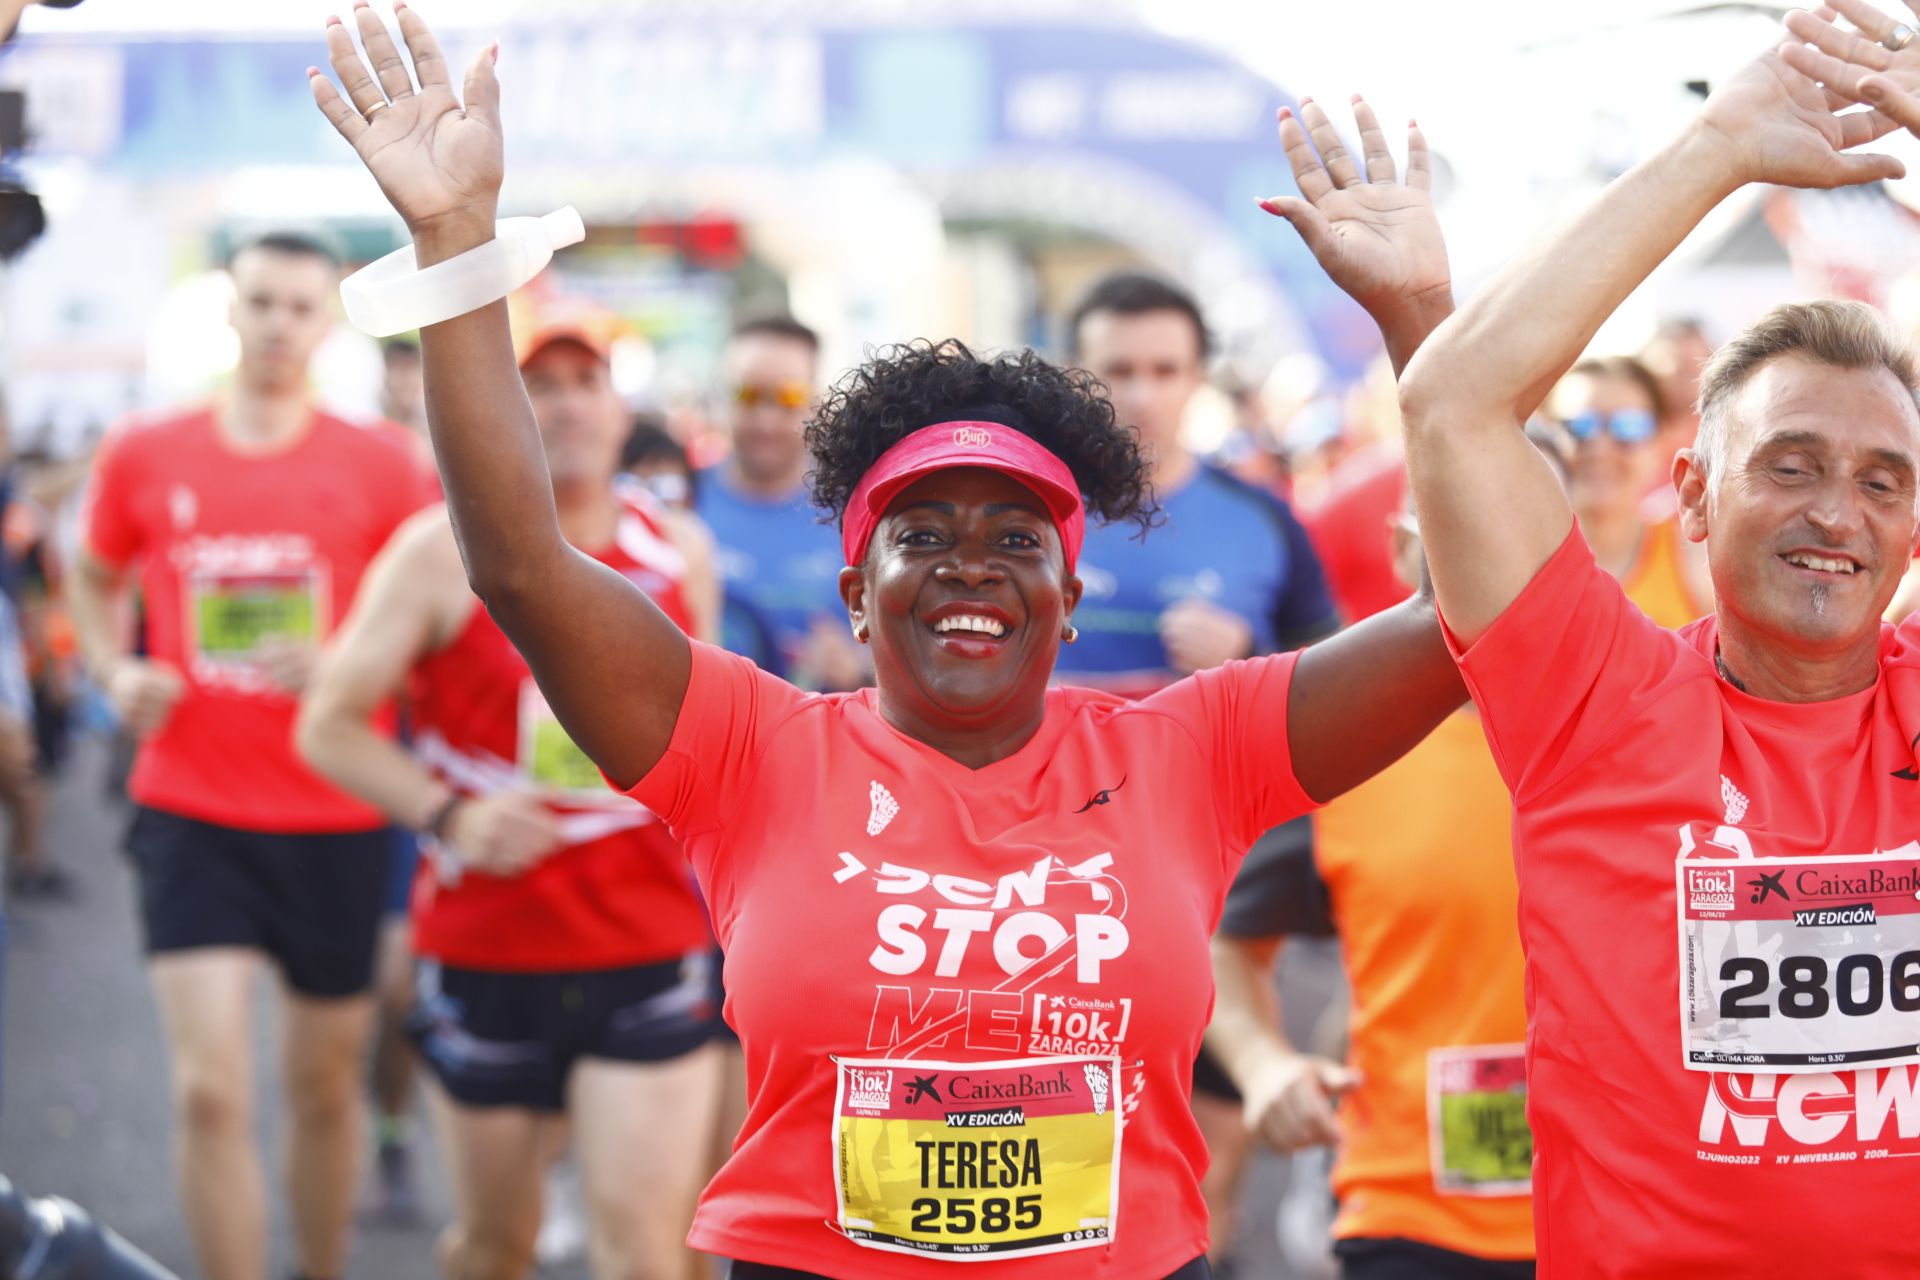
x: 1811, y: 1118
x: 1052, y: 923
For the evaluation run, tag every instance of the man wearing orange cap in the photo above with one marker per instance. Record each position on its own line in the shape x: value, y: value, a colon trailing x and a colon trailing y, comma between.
x: 566, y: 968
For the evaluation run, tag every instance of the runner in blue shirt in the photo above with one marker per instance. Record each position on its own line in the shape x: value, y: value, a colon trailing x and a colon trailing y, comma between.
x: 1231, y: 573
x: 780, y: 565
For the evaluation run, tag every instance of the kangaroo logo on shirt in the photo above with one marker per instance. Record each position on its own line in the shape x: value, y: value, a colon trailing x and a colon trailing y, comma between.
x: 1102, y: 796
x: 1908, y: 774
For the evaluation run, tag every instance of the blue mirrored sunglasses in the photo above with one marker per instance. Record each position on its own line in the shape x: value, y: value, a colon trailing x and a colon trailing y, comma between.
x: 1628, y: 426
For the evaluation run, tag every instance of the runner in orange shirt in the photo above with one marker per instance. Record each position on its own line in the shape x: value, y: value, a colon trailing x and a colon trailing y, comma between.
x: 1413, y: 872
x: 247, y: 525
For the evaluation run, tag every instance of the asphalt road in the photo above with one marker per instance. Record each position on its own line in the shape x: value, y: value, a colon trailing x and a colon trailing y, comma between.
x: 83, y: 1087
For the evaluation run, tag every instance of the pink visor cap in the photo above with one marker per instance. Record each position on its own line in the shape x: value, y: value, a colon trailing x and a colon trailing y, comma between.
x: 965, y: 444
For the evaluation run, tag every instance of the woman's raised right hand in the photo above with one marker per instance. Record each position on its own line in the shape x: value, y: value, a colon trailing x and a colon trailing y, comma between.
x: 435, y: 161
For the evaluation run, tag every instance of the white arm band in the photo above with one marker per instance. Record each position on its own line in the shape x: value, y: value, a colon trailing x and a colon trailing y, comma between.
x: 393, y: 295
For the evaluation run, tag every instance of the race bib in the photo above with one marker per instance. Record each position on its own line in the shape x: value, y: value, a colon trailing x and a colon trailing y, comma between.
x: 1799, y: 964
x: 234, y: 614
x: 550, y: 759
x: 962, y: 1160
x: 1477, y: 1120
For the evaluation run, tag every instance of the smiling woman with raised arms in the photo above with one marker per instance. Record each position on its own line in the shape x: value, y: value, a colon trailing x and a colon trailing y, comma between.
x: 966, y: 914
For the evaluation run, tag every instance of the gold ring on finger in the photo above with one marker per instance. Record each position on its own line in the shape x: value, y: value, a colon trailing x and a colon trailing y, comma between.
x: 1897, y: 39
x: 375, y: 110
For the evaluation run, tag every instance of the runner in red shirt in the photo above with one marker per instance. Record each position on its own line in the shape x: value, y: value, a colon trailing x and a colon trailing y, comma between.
x: 567, y: 968
x: 966, y: 914
x: 1721, y: 1073
x: 247, y: 526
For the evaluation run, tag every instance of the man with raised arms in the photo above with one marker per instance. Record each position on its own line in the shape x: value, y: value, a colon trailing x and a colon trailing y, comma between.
x: 1718, y: 1084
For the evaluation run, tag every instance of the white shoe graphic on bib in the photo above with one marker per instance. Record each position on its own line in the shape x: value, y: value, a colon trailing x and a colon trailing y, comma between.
x: 1098, y: 1086
x: 884, y: 807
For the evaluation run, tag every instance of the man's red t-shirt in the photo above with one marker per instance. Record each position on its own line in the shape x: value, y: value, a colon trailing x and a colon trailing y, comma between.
x: 619, y: 892
x: 878, y: 900
x: 1625, y: 754
x: 233, y: 550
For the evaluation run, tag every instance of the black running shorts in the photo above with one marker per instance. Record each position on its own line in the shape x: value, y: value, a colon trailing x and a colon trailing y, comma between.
x: 312, y: 903
x: 511, y: 1039
x: 1394, y: 1258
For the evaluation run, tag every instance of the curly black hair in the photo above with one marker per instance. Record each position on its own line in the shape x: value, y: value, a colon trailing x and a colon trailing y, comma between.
x: 916, y: 384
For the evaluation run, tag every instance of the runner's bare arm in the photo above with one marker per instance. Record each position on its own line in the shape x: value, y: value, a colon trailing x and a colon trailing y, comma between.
x: 1287, y: 1095
x: 613, y: 667
x: 1246, y: 1012
x: 99, y: 600
x: 96, y: 601
x: 1362, y: 698
x: 1491, y: 510
x: 413, y: 600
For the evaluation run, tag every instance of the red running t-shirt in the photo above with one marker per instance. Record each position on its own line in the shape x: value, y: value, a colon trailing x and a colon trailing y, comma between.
x: 1349, y: 527
x: 620, y: 893
x: 879, y: 901
x: 1625, y: 754
x: 233, y: 550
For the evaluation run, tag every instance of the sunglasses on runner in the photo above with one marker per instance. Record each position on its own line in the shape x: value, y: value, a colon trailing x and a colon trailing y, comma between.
x: 785, y: 395
x: 1628, y: 426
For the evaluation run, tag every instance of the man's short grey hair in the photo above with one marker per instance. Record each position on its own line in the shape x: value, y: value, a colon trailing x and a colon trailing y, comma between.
x: 1847, y: 335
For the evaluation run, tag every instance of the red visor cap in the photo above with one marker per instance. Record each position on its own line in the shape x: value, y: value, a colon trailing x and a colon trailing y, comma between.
x: 965, y: 444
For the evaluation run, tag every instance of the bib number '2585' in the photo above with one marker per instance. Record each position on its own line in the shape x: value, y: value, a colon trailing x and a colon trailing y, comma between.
x: 961, y: 1160
x: 1799, y: 964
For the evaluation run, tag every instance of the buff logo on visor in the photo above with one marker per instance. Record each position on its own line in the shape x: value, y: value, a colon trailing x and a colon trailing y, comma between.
x: 965, y: 444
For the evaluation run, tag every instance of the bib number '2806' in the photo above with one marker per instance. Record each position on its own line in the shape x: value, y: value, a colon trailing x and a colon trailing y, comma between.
x: 1800, y: 964
x: 970, y: 1160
